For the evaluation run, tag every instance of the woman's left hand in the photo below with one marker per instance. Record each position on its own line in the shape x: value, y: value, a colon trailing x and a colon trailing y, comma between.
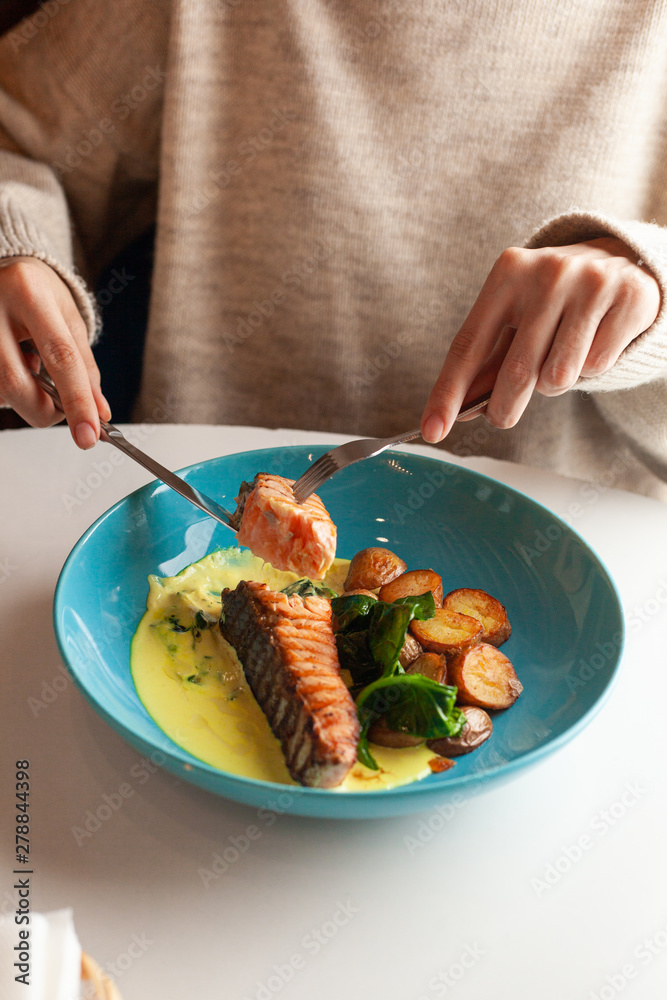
x: 543, y: 319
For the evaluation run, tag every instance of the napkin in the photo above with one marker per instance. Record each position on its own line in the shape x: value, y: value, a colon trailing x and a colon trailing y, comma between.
x: 53, y: 953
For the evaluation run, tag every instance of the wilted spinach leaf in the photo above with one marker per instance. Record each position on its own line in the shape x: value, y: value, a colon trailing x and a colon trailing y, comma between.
x: 383, y: 625
x: 352, y: 608
x: 410, y: 703
x: 354, y: 655
x: 423, y: 605
x: 386, y: 634
x: 370, y: 637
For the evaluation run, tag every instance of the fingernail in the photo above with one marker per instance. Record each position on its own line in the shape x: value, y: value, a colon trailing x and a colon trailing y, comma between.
x: 106, y: 410
x: 433, y: 429
x: 85, y: 436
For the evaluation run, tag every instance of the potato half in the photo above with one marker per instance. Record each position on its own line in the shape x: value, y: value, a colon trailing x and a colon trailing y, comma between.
x: 370, y: 568
x: 412, y: 584
x: 489, y: 612
x: 410, y: 652
x: 431, y: 665
x: 476, y: 731
x: 484, y: 677
x: 447, y: 632
x: 381, y: 734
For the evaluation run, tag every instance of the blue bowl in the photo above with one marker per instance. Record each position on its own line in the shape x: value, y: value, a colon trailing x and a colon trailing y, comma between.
x: 565, y: 613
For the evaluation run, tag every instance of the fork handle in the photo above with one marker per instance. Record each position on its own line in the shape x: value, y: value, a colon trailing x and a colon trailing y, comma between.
x: 476, y: 404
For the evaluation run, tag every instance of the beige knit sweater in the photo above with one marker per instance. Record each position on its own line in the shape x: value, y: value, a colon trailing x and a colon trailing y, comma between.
x: 332, y: 181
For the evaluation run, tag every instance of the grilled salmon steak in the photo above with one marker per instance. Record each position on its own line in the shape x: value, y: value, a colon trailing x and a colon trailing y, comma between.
x: 290, y: 536
x: 288, y: 652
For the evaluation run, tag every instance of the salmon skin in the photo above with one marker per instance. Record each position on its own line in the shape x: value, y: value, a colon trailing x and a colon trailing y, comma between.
x: 290, y: 536
x: 287, y: 648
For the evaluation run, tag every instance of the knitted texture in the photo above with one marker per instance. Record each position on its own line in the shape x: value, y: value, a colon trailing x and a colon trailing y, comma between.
x: 335, y: 180
x: 22, y: 205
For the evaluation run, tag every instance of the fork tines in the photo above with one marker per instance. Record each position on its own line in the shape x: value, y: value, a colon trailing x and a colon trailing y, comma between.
x: 313, y: 477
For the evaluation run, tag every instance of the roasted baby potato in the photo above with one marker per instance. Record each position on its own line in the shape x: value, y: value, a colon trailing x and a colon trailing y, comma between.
x: 411, y: 650
x: 371, y: 568
x: 489, y: 612
x: 432, y: 665
x: 411, y: 584
x: 381, y: 734
x: 477, y: 729
x: 484, y: 677
x: 447, y: 632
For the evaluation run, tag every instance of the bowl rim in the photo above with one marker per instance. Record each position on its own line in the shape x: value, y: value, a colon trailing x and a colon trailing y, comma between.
x: 428, y: 785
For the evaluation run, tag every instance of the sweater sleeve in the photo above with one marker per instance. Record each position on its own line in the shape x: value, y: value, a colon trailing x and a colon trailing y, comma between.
x: 632, y: 395
x: 81, y: 90
x: 34, y: 222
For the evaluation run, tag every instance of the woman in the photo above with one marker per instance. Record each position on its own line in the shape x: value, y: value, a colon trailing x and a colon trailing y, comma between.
x: 333, y: 182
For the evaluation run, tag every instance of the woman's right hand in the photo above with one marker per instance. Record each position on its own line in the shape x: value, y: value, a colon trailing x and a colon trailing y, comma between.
x: 36, y: 305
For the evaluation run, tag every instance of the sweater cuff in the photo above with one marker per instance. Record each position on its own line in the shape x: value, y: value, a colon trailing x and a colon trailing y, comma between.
x: 645, y: 359
x: 19, y: 237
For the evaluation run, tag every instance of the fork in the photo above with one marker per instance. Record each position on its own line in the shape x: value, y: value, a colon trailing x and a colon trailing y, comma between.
x: 113, y: 436
x: 354, y: 451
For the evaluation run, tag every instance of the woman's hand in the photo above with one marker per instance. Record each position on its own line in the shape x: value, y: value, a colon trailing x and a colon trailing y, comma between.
x: 542, y: 319
x: 36, y: 305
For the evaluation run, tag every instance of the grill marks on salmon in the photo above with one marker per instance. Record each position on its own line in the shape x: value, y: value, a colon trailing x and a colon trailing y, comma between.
x: 291, y: 536
x: 288, y: 652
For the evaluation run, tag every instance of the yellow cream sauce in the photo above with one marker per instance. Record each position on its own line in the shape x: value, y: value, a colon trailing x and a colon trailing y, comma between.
x: 192, y: 683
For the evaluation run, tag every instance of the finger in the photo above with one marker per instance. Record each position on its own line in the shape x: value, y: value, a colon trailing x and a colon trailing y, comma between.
x: 466, y: 356
x: 571, y: 346
x: 30, y: 355
x: 520, y: 368
x: 611, y: 338
x: 63, y: 361
x: 80, y: 334
x: 591, y: 297
x: 634, y: 309
x: 485, y: 380
x: 18, y: 388
x: 33, y: 361
x: 103, y: 407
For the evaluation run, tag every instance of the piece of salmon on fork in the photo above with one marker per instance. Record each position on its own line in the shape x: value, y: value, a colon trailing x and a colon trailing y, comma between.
x: 288, y: 651
x: 290, y: 536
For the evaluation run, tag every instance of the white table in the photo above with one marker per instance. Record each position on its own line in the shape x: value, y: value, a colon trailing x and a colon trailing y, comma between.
x: 553, y: 886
